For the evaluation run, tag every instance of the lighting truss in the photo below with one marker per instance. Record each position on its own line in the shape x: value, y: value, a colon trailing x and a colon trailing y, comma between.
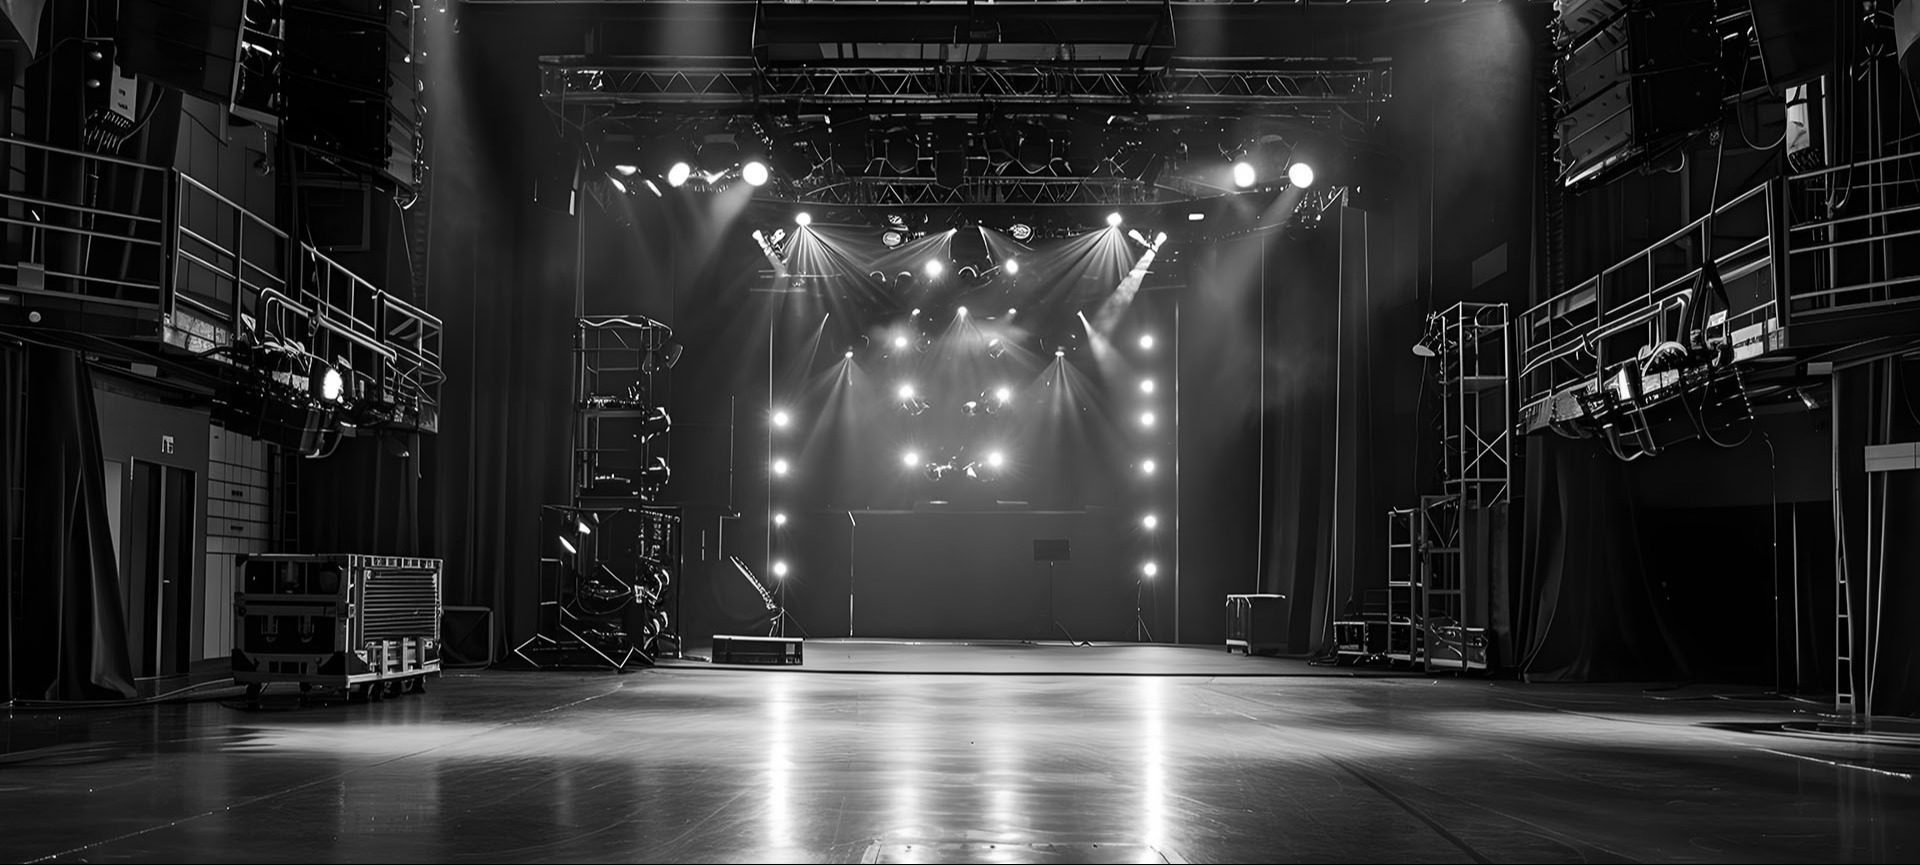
x: 1198, y: 87
x: 981, y: 190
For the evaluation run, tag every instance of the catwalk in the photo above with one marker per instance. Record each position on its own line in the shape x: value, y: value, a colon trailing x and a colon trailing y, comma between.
x: 878, y: 752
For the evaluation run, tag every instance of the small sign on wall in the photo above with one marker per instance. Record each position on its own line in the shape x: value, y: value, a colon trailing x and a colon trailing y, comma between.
x: 166, y: 444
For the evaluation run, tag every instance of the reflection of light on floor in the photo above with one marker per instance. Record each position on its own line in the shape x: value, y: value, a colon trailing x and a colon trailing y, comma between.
x: 779, y: 828
x: 1153, y: 740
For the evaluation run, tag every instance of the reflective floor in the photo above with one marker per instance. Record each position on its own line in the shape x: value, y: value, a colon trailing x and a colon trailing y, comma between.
x: 963, y: 753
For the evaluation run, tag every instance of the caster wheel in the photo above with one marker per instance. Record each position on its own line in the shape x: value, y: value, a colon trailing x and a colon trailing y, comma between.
x: 374, y: 691
x: 407, y: 686
x: 420, y: 685
x: 253, y: 693
x: 393, y: 689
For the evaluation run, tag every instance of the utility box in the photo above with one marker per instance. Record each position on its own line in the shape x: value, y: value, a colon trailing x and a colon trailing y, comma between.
x: 1257, y: 624
x: 366, y: 624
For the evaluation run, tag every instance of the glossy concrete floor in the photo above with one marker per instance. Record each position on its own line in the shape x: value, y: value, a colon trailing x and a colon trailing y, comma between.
x: 963, y: 753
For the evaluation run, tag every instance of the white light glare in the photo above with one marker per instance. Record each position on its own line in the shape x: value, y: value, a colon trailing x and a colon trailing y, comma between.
x: 583, y: 527
x: 678, y: 174
x: 781, y: 419
x: 1113, y: 219
x: 803, y: 219
x: 934, y: 267
x: 962, y: 312
x: 1146, y: 418
x: 1196, y: 216
x: 910, y: 459
x: 1150, y: 569
x: 900, y: 342
x: 1146, y: 340
x: 617, y: 184
x: 1159, y: 239
x: 1146, y: 385
x: 1148, y: 467
x: 1059, y: 352
x: 1243, y: 174
x: 754, y: 173
x: 849, y: 354
x: 1300, y: 174
x: 1011, y: 267
x: 1003, y: 393
x: 1150, y: 521
x: 626, y: 170
x: 996, y: 458
x: 779, y: 519
x: 906, y: 391
x: 780, y: 467
x: 779, y: 569
x: 332, y: 386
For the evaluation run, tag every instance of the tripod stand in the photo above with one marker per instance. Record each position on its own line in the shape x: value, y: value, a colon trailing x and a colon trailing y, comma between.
x: 778, y: 627
x: 1139, y: 624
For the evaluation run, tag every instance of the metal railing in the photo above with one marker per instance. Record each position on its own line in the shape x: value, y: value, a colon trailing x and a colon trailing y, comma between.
x: 1575, y: 339
x: 197, y: 274
x: 1851, y: 246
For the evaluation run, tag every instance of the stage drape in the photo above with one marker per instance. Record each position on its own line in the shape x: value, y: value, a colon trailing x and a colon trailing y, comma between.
x: 72, y: 634
x: 1586, y: 610
x: 1873, y: 404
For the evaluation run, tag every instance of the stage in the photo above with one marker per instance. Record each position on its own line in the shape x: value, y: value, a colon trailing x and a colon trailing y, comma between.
x: 896, y: 752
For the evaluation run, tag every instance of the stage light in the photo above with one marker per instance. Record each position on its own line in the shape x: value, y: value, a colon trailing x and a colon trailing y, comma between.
x: 678, y: 174
x: 1196, y: 216
x: 892, y: 238
x: 626, y: 170
x: 934, y: 267
x: 849, y: 354
x: 616, y: 184
x: 1146, y: 385
x: 781, y: 419
x: 1150, y: 521
x: 567, y: 546
x: 661, y: 359
x: 1011, y: 267
x: 1243, y: 174
x: 996, y: 459
x: 1150, y: 569
x: 780, y: 467
x: 1146, y: 341
x: 1147, y: 467
x: 332, y: 386
x: 916, y: 312
x: 1059, y: 352
x: 961, y: 312
x: 657, y: 422
x: 996, y: 348
x: 1113, y: 219
x: 780, y: 569
x: 1146, y: 418
x: 1300, y: 174
x: 1020, y: 231
x: 779, y: 519
x: 910, y: 459
x: 1159, y: 239
x: 754, y: 173
x: 1011, y: 312
x: 905, y: 391
x: 1003, y: 393
x: 803, y: 219
x: 900, y: 342
x: 1139, y: 238
x: 582, y: 526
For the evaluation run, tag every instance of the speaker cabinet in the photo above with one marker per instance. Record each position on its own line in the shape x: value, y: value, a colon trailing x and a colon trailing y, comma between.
x: 1632, y: 82
x: 348, y: 86
x: 190, y: 47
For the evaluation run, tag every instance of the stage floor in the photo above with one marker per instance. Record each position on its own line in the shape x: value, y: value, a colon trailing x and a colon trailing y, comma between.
x: 878, y: 752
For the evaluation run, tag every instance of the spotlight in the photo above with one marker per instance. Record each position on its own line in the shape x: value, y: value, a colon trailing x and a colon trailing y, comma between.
x: 996, y: 348
x: 678, y: 174
x: 780, y: 569
x: 1149, y: 521
x: 1429, y: 344
x: 1243, y: 174
x: 781, y: 419
x: 1159, y: 239
x: 1113, y: 219
x: 564, y: 544
x: 1059, y: 352
x: 803, y: 219
x: 1146, y: 341
x: 1146, y: 385
x: 1146, y: 418
x: 1139, y: 238
x: 661, y: 359
x: 332, y: 386
x: 657, y: 422
x: 1300, y: 174
x: 582, y: 526
x: 893, y: 238
x: 626, y: 170
x: 1150, y: 569
x: 900, y: 341
x: 1020, y: 231
x: 1147, y: 467
x: 1011, y: 267
x: 1003, y: 393
x: 754, y: 173
x: 934, y: 267
x: 849, y: 354
x: 961, y: 312
x: 996, y: 459
x: 1196, y: 216
x: 916, y: 312
x: 780, y: 467
x: 910, y: 459
x: 1011, y: 312
x: 779, y: 519
x: 906, y: 391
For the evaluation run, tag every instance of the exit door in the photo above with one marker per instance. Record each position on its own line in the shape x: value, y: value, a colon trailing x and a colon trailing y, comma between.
x: 157, y: 580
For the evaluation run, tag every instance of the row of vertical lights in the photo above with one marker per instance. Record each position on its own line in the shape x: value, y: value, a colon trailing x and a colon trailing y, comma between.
x: 1149, y: 522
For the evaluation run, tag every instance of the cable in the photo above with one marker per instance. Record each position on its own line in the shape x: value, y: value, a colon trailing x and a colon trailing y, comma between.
x: 170, y: 696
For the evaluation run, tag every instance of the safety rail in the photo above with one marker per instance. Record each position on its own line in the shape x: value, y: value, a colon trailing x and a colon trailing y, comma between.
x: 1572, y: 342
x: 115, y: 255
x: 1850, y: 252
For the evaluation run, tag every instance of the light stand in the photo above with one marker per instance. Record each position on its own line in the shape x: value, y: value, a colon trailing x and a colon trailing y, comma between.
x: 778, y: 627
x: 1139, y: 624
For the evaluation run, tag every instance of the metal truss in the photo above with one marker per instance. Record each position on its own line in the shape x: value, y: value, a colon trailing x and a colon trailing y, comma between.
x: 1276, y: 87
x: 981, y: 190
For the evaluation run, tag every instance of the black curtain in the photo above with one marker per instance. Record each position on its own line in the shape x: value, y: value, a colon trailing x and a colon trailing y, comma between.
x: 362, y: 496
x: 1875, y: 512
x: 72, y: 632
x: 1586, y: 610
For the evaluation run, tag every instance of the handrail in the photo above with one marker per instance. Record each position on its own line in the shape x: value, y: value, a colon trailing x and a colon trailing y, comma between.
x: 82, y: 154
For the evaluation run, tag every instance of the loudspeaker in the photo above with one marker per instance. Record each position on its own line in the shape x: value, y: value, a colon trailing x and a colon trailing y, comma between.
x: 1635, y: 82
x: 190, y: 47
x: 1796, y: 41
x: 347, y: 84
